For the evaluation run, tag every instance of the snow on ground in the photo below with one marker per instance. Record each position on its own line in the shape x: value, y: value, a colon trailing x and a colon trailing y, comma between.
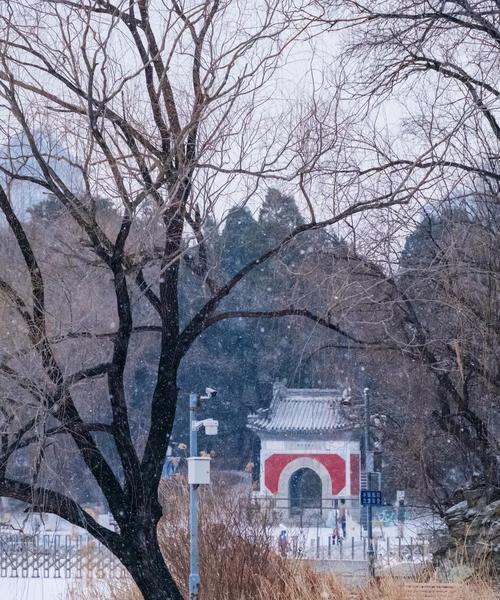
x: 33, y: 589
x: 25, y: 588
x: 44, y: 587
x: 30, y: 524
x: 22, y: 588
x: 416, y: 529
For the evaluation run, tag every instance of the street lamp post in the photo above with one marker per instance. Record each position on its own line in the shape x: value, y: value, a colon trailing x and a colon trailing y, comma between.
x: 369, y: 469
x: 198, y: 474
x: 194, y: 576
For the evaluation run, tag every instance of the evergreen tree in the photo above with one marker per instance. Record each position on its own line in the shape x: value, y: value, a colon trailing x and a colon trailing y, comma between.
x: 48, y: 209
x: 278, y: 215
x: 424, y: 243
x: 241, y: 240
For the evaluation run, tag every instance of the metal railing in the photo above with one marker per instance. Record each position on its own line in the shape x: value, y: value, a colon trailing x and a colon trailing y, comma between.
x: 56, y: 556
x: 69, y: 556
x: 308, y: 514
x: 387, y: 550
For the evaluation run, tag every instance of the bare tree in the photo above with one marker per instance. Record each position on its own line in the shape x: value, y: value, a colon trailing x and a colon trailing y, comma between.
x: 428, y: 335
x: 433, y: 67
x: 438, y: 65
x: 164, y: 110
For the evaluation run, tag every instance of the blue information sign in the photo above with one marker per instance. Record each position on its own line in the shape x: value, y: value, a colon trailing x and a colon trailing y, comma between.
x: 371, y: 498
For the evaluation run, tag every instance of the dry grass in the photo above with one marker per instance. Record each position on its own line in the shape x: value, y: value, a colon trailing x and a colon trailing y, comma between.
x: 393, y: 589
x: 238, y: 560
x: 237, y: 549
x: 94, y: 589
x: 299, y: 582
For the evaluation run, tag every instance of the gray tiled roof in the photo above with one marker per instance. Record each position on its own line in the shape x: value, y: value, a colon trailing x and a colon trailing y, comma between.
x: 303, y: 410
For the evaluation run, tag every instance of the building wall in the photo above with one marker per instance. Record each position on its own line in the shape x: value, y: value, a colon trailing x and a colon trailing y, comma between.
x: 337, y: 462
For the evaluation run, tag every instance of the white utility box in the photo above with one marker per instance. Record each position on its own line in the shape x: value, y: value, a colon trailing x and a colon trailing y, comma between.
x: 211, y: 426
x: 199, y: 470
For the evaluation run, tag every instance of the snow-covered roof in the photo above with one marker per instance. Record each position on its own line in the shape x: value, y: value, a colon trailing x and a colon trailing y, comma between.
x: 304, y: 411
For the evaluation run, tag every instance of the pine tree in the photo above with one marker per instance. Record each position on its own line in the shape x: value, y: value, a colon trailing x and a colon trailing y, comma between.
x: 241, y: 240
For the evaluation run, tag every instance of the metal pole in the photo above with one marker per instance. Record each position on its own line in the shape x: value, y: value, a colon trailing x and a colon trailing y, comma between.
x: 371, y: 552
x: 369, y: 469
x: 194, y: 576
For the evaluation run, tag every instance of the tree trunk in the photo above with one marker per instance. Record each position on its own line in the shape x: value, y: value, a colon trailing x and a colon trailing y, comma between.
x: 144, y: 561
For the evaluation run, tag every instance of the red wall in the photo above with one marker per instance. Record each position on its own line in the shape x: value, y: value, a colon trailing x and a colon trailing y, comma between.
x: 354, y: 463
x: 334, y: 464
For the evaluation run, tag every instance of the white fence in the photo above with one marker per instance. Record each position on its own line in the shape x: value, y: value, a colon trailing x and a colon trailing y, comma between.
x: 56, y: 556
x: 387, y: 550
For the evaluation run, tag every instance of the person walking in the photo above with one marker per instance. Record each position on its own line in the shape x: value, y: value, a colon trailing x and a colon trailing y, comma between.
x: 343, y: 518
x: 336, y: 527
x: 283, y: 543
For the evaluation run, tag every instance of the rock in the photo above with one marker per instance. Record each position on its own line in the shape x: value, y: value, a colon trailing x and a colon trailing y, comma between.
x: 473, y: 531
x: 460, y: 573
x: 441, y: 544
x: 474, y: 497
x: 494, y: 509
x: 458, y: 496
x: 457, y: 508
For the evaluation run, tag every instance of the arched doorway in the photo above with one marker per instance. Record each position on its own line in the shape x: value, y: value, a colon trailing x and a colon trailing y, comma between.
x: 304, y: 490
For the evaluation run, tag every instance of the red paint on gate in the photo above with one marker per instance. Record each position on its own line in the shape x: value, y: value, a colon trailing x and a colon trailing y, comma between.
x: 354, y: 464
x: 334, y: 464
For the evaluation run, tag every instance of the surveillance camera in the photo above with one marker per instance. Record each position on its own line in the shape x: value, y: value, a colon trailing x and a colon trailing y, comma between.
x: 210, y: 393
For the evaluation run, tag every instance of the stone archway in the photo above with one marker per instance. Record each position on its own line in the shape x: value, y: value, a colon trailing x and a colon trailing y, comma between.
x: 303, y: 463
x: 305, y: 490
